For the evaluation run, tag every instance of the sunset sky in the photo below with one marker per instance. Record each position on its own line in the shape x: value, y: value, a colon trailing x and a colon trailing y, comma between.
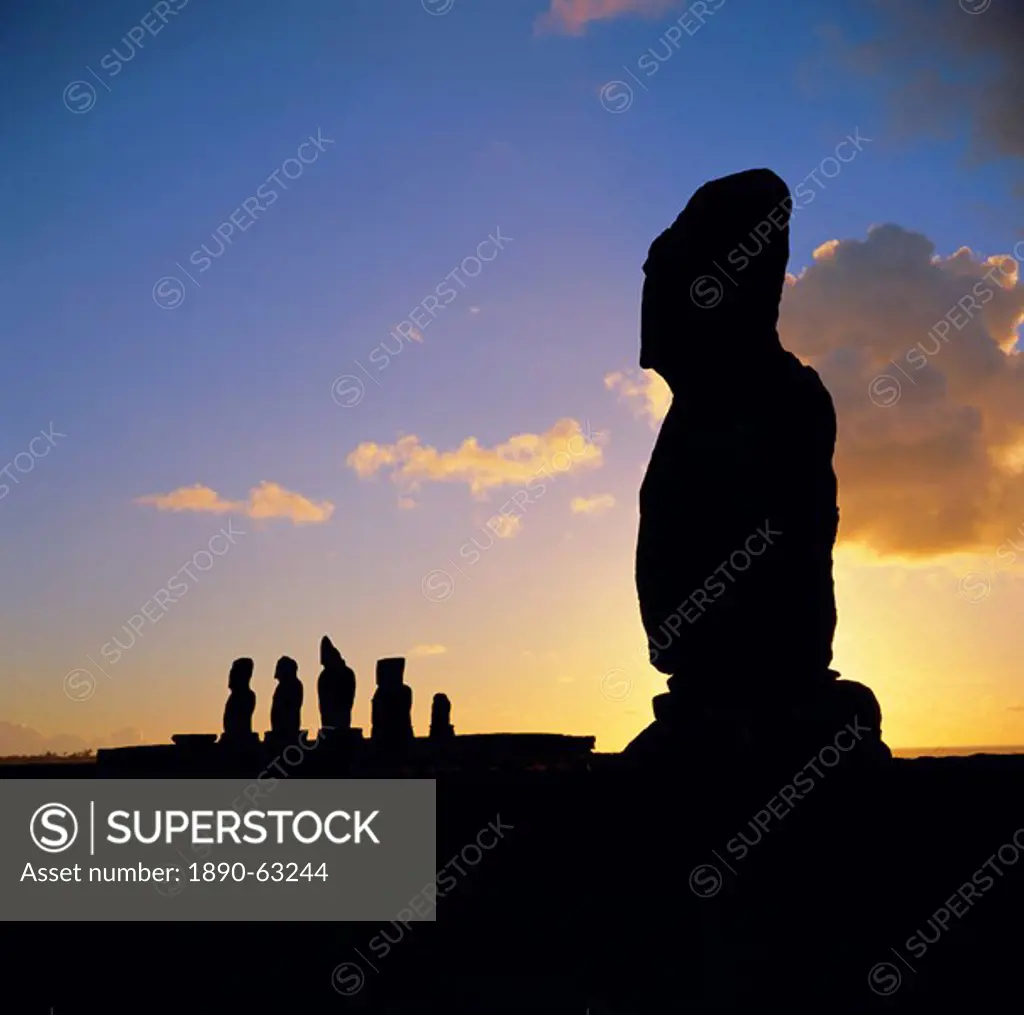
x: 319, y: 384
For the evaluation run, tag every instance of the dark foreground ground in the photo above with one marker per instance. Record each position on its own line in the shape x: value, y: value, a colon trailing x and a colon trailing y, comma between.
x: 614, y: 891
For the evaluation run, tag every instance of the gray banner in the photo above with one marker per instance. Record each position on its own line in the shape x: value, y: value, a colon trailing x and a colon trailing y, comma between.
x: 214, y: 849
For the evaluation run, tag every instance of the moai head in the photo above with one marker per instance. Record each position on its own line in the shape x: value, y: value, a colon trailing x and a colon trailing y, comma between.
x: 286, y: 669
x: 390, y: 672
x: 694, y: 315
x: 240, y: 675
x: 330, y: 657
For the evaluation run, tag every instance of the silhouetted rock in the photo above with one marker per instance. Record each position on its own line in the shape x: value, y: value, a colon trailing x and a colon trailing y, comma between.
x: 391, y: 709
x: 286, y: 709
x: 441, y: 727
x: 241, y: 703
x: 841, y: 718
x: 336, y: 690
x: 738, y: 509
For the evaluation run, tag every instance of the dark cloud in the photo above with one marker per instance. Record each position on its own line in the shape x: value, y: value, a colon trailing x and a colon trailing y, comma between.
x: 944, y: 65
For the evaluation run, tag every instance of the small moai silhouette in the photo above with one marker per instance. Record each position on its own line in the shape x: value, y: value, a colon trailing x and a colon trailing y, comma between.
x: 441, y: 727
x: 336, y: 690
x: 241, y: 703
x: 391, y: 708
x: 286, y: 708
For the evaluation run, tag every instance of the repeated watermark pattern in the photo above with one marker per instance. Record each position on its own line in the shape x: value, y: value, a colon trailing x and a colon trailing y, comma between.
x: 707, y: 290
x: 885, y: 390
x: 169, y: 290
x: 975, y: 585
x: 706, y: 879
x: 348, y: 390
x: 437, y: 7
x: 617, y: 95
x: 80, y: 683
x: 80, y: 96
x: 349, y: 977
x: 24, y: 462
x: 438, y: 584
x: 886, y: 977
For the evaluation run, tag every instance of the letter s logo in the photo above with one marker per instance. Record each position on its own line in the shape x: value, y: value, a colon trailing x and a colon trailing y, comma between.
x: 53, y: 819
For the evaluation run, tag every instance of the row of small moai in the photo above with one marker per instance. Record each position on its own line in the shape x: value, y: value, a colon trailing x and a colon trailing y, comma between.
x: 391, y: 707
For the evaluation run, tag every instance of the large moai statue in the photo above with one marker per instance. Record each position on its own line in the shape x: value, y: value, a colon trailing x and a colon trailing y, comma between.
x: 240, y: 705
x: 760, y: 445
x: 286, y: 709
x: 441, y: 727
x: 391, y: 710
x: 336, y: 690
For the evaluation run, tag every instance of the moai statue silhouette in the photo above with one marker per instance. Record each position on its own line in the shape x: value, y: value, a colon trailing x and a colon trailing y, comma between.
x: 241, y: 703
x: 336, y: 690
x: 763, y: 454
x: 391, y: 710
x: 441, y: 727
x: 286, y: 709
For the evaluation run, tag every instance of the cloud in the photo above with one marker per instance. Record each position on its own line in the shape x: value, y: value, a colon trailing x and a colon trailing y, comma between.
x: 570, y: 17
x: 918, y: 351
x: 592, y: 505
x: 940, y: 61
x: 515, y: 462
x: 505, y: 526
x: 422, y: 651
x: 268, y: 500
x: 406, y: 503
x: 192, y: 498
x: 644, y: 391
x: 822, y: 253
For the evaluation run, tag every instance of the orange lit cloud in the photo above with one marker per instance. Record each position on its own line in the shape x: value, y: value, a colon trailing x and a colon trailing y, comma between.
x: 515, y: 462
x: 268, y: 500
x: 918, y: 352
x: 592, y: 505
x: 822, y: 253
x: 644, y: 391
x: 191, y: 498
x: 572, y: 16
x: 422, y: 651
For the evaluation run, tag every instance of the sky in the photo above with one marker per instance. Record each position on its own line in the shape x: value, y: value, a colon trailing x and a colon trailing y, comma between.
x: 295, y: 302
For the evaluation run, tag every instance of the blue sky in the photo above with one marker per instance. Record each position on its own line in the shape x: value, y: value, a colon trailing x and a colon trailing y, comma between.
x: 442, y: 129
